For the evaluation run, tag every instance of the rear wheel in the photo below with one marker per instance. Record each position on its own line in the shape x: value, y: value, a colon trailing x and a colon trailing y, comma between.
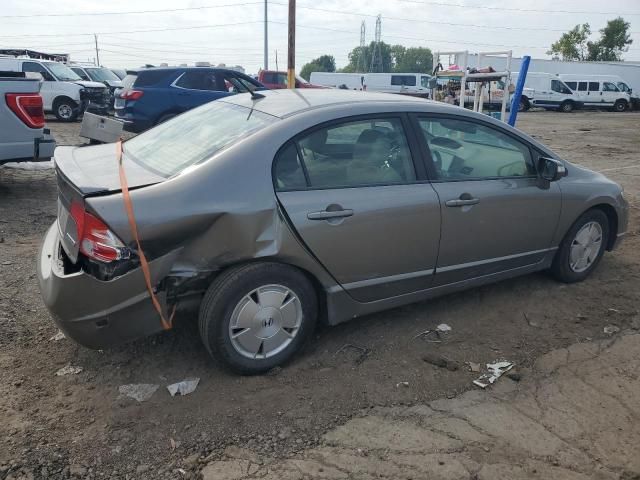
x: 256, y: 316
x: 524, y: 105
x: 620, y: 106
x: 566, y: 106
x: 65, y: 109
x: 582, y: 248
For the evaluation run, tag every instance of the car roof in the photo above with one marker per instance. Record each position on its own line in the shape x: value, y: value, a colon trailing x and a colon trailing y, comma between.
x: 287, y: 102
x: 183, y: 69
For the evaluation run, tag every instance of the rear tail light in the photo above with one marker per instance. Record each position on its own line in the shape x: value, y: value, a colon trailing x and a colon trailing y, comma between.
x: 27, y: 107
x: 96, y: 240
x: 131, y: 94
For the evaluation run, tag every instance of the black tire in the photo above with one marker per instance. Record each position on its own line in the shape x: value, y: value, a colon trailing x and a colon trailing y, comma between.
x: 620, y: 106
x: 567, y: 106
x: 561, y: 267
x: 65, y: 109
x: 229, y: 289
x: 165, y: 117
x: 524, y: 105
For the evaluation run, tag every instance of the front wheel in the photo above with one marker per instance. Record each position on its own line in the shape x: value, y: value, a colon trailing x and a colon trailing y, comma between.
x: 65, y: 110
x: 566, y: 107
x: 582, y: 247
x: 620, y: 106
x: 257, y: 316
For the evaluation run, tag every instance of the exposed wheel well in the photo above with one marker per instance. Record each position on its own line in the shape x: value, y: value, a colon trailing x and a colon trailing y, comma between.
x: 57, y: 100
x: 612, y: 216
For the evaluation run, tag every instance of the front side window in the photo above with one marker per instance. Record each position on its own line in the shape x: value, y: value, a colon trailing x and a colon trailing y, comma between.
x: 623, y: 87
x: 194, y: 137
x: 403, y: 80
x: 350, y: 154
x: 559, y: 87
x: 424, y: 81
x: 101, y: 74
x: 594, y: 86
x: 80, y: 73
x: 609, y: 87
x: 464, y: 150
x: 197, y: 80
x: 572, y: 85
x: 37, y: 68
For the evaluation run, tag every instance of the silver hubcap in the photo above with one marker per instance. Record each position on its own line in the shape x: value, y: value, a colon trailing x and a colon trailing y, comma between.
x: 265, y: 321
x: 65, y: 111
x: 585, y: 247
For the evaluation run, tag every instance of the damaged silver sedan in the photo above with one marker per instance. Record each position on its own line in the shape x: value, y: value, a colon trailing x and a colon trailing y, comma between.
x: 273, y: 210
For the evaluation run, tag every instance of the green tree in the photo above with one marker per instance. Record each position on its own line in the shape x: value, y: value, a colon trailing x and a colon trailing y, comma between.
x: 414, y: 60
x: 360, y: 58
x: 573, y: 45
x: 324, y: 63
x: 614, y: 41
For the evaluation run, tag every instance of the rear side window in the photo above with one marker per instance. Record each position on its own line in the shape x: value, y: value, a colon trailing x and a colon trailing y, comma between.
x: 594, y: 86
x: 403, y: 80
x: 147, y: 78
x: 198, y: 80
x: 349, y: 154
x: 194, y: 137
x: 572, y: 85
x: 81, y: 73
x: 582, y: 86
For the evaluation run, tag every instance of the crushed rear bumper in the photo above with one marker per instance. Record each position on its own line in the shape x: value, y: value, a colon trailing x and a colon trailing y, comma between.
x: 95, y: 313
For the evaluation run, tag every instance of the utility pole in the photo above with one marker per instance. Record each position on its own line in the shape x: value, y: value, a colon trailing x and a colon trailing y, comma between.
x: 277, y: 69
x: 266, y: 38
x: 291, y: 54
x: 95, y: 37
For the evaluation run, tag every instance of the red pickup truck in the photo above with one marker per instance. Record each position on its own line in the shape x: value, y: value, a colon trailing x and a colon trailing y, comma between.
x: 273, y: 79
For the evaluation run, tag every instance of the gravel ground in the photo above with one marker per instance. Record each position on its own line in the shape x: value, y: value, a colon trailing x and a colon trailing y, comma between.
x: 79, y: 426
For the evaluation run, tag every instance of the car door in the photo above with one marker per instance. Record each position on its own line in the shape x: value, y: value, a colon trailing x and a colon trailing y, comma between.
x: 496, y: 214
x: 583, y: 93
x: 610, y: 93
x: 197, y: 87
x: 355, y: 198
x: 47, y: 87
x: 594, y: 94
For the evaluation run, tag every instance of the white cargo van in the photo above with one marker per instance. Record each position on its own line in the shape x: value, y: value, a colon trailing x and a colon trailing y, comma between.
x: 601, y: 90
x: 63, y: 92
x: 350, y: 81
x: 405, y: 83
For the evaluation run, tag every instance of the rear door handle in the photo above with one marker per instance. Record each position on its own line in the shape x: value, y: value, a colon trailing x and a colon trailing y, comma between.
x: 327, y: 214
x: 459, y: 202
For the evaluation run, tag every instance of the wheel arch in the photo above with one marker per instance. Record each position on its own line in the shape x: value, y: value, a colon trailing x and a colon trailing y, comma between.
x: 61, y: 98
x: 612, y: 217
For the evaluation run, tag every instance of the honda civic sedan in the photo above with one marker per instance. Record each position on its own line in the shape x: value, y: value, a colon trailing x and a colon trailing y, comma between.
x: 270, y: 212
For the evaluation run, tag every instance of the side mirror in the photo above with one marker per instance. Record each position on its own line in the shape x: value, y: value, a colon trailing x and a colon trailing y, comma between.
x: 551, y: 169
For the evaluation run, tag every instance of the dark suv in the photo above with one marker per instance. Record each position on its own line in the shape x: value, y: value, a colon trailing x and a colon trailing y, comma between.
x: 158, y: 94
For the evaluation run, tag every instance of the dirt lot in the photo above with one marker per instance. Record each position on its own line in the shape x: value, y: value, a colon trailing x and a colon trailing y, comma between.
x: 77, y: 425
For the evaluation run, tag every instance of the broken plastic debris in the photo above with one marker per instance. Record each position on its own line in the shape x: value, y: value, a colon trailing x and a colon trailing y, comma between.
x: 68, y: 370
x: 139, y: 391
x: 496, y: 370
x: 57, y: 336
x: 402, y: 384
x: 611, y: 329
x: 185, y: 387
x: 443, y: 327
x: 474, y: 367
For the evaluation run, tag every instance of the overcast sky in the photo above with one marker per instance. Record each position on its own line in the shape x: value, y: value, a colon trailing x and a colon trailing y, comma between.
x: 231, y: 32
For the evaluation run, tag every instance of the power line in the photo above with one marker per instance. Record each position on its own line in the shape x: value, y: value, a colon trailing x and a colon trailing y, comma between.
x: 524, y: 10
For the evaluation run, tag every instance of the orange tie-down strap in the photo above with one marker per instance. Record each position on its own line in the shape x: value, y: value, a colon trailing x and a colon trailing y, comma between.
x: 166, y: 323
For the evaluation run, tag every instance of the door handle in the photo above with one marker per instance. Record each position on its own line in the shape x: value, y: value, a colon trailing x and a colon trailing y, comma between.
x: 461, y: 202
x: 328, y: 214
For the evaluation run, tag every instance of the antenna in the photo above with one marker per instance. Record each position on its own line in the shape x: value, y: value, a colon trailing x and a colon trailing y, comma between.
x: 362, y: 61
x: 376, y: 58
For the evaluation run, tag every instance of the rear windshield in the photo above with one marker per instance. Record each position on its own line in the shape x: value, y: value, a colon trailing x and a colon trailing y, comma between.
x: 194, y: 137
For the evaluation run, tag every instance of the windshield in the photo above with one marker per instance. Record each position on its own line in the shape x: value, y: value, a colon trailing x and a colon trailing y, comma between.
x: 194, y: 137
x: 62, y: 72
x: 102, y: 75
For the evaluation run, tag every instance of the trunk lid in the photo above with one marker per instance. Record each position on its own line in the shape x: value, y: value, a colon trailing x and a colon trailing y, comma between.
x: 85, y: 171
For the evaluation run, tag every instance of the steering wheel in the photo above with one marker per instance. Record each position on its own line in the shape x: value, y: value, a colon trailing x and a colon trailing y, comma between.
x: 505, y: 169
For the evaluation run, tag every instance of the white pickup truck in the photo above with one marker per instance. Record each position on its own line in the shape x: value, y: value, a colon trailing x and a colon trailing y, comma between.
x: 23, y: 137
